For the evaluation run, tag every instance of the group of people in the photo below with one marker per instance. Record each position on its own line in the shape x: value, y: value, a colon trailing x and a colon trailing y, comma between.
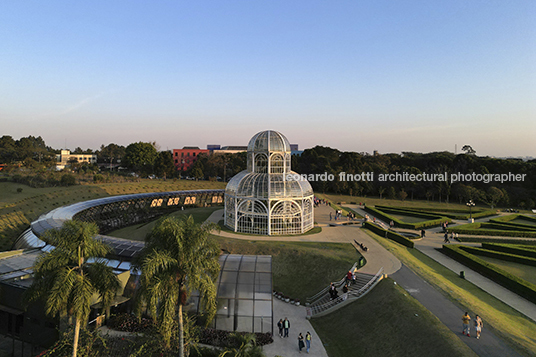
x: 338, y: 214
x: 361, y: 245
x: 333, y: 293
x: 452, y: 236
x: 466, y: 321
x: 307, y: 343
x: 317, y: 202
x: 284, y: 327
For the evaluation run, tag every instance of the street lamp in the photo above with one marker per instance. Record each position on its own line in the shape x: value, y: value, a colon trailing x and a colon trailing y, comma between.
x: 471, y: 204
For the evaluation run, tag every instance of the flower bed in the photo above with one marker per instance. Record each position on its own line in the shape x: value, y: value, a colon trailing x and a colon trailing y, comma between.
x: 130, y: 323
x: 221, y: 338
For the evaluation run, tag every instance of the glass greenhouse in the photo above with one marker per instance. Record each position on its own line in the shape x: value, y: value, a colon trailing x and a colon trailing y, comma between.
x: 269, y: 198
x: 244, y: 294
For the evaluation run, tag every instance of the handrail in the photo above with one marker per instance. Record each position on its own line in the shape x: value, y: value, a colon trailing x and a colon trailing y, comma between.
x: 325, y: 290
x: 345, y: 296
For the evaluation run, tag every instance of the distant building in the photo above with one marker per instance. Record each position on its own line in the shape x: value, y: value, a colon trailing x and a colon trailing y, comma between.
x: 63, y: 158
x: 185, y: 158
x: 233, y: 149
x: 211, y: 148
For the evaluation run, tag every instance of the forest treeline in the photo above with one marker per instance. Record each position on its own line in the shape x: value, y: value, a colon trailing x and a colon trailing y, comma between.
x: 145, y: 159
x: 519, y: 194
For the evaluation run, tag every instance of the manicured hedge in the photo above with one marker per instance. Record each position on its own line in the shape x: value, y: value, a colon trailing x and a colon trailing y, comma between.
x: 450, y: 212
x: 498, y: 240
x: 483, y: 230
x: 386, y: 217
x: 511, y: 217
x: 505, y: 226
x: 501, y: 255
x: 515, y: 226
x: 408, y: 212
x: 511, y: 249
x: 389, y: 234
x: 519, y: 286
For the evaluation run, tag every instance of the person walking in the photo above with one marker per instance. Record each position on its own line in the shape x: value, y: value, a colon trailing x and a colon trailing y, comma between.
x: 478, y: 326
x: 286, y: 326
x: 466, y: 320
x: 308, y: 339
x: 345, y: 292
x: 300, y: 342
x: 280, y: 327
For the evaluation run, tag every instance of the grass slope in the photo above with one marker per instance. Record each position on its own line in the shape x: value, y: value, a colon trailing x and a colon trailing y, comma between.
x: 382, y: 323
x: 300, y: 269
x: 506, y: 322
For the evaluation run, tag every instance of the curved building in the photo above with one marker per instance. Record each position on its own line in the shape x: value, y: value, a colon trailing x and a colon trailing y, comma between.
x: 268, y: 198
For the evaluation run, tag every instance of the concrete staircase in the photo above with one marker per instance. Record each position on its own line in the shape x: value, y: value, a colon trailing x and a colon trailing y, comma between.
x: 322, y: 304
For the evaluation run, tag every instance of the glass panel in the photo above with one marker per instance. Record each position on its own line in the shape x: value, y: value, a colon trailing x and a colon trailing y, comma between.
x: 245, y: 308
x: 228, y: 277
x: 263, y: 308
x: 225, y: 307
x: 245, y: 291
x: 245, y: 324
x: 227, y: 291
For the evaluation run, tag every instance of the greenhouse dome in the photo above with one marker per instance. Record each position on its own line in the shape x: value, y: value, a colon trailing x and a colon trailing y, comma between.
x: 269, y: 198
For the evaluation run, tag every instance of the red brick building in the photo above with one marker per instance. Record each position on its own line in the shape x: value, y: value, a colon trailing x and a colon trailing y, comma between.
x: 184, y: 158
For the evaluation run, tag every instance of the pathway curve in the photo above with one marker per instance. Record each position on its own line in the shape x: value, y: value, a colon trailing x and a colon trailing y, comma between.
x: 377, y: 256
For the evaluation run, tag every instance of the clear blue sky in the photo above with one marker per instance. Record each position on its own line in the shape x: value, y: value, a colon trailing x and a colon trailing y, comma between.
x: 357, y: 75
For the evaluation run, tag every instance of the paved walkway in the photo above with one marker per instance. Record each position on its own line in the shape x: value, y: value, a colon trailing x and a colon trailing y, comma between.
x: 451, y: 315
x: 434, y: 241
x: 298, y: 323
x: 377, y: 256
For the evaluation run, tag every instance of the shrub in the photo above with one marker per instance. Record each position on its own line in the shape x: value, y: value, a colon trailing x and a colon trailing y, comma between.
x: 489, y: 229
x: 221, y: 338
x: 19, y: 189
x: 389, y: 234
x: 386, y: 217
x: 130, y: 323
x: 500, y: 255
x: 509, y: 281
x: 518, y: 250
x: 68, y: 180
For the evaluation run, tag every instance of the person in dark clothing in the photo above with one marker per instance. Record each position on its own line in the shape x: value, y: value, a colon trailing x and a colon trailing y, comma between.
x: 286, y: 326
x: 301, y: 344
x: 280, y: 327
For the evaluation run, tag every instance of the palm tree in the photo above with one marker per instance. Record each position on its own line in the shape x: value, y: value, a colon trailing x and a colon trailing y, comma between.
x: 245, y: 346
x: 179, y: 256
x: 67, y: 277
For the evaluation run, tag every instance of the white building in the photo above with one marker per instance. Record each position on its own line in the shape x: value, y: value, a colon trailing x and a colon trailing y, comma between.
x: 65, y: 156
x: 269, y: 198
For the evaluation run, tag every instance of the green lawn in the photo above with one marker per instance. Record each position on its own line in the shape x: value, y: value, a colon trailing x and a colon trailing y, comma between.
x: 523, y: 221
x: 408, y: 219
x: 506, y: 322
x: 522, y: 271
x: 300, y: 269
x: 139, y: 231
x: 373, y: 201
x: 387, y: 322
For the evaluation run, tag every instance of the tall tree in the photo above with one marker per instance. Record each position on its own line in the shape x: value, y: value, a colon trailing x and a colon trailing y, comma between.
x: 67, y: 277
x: 179, y: 256
x: 141, y: 156
x: 163, y: 166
